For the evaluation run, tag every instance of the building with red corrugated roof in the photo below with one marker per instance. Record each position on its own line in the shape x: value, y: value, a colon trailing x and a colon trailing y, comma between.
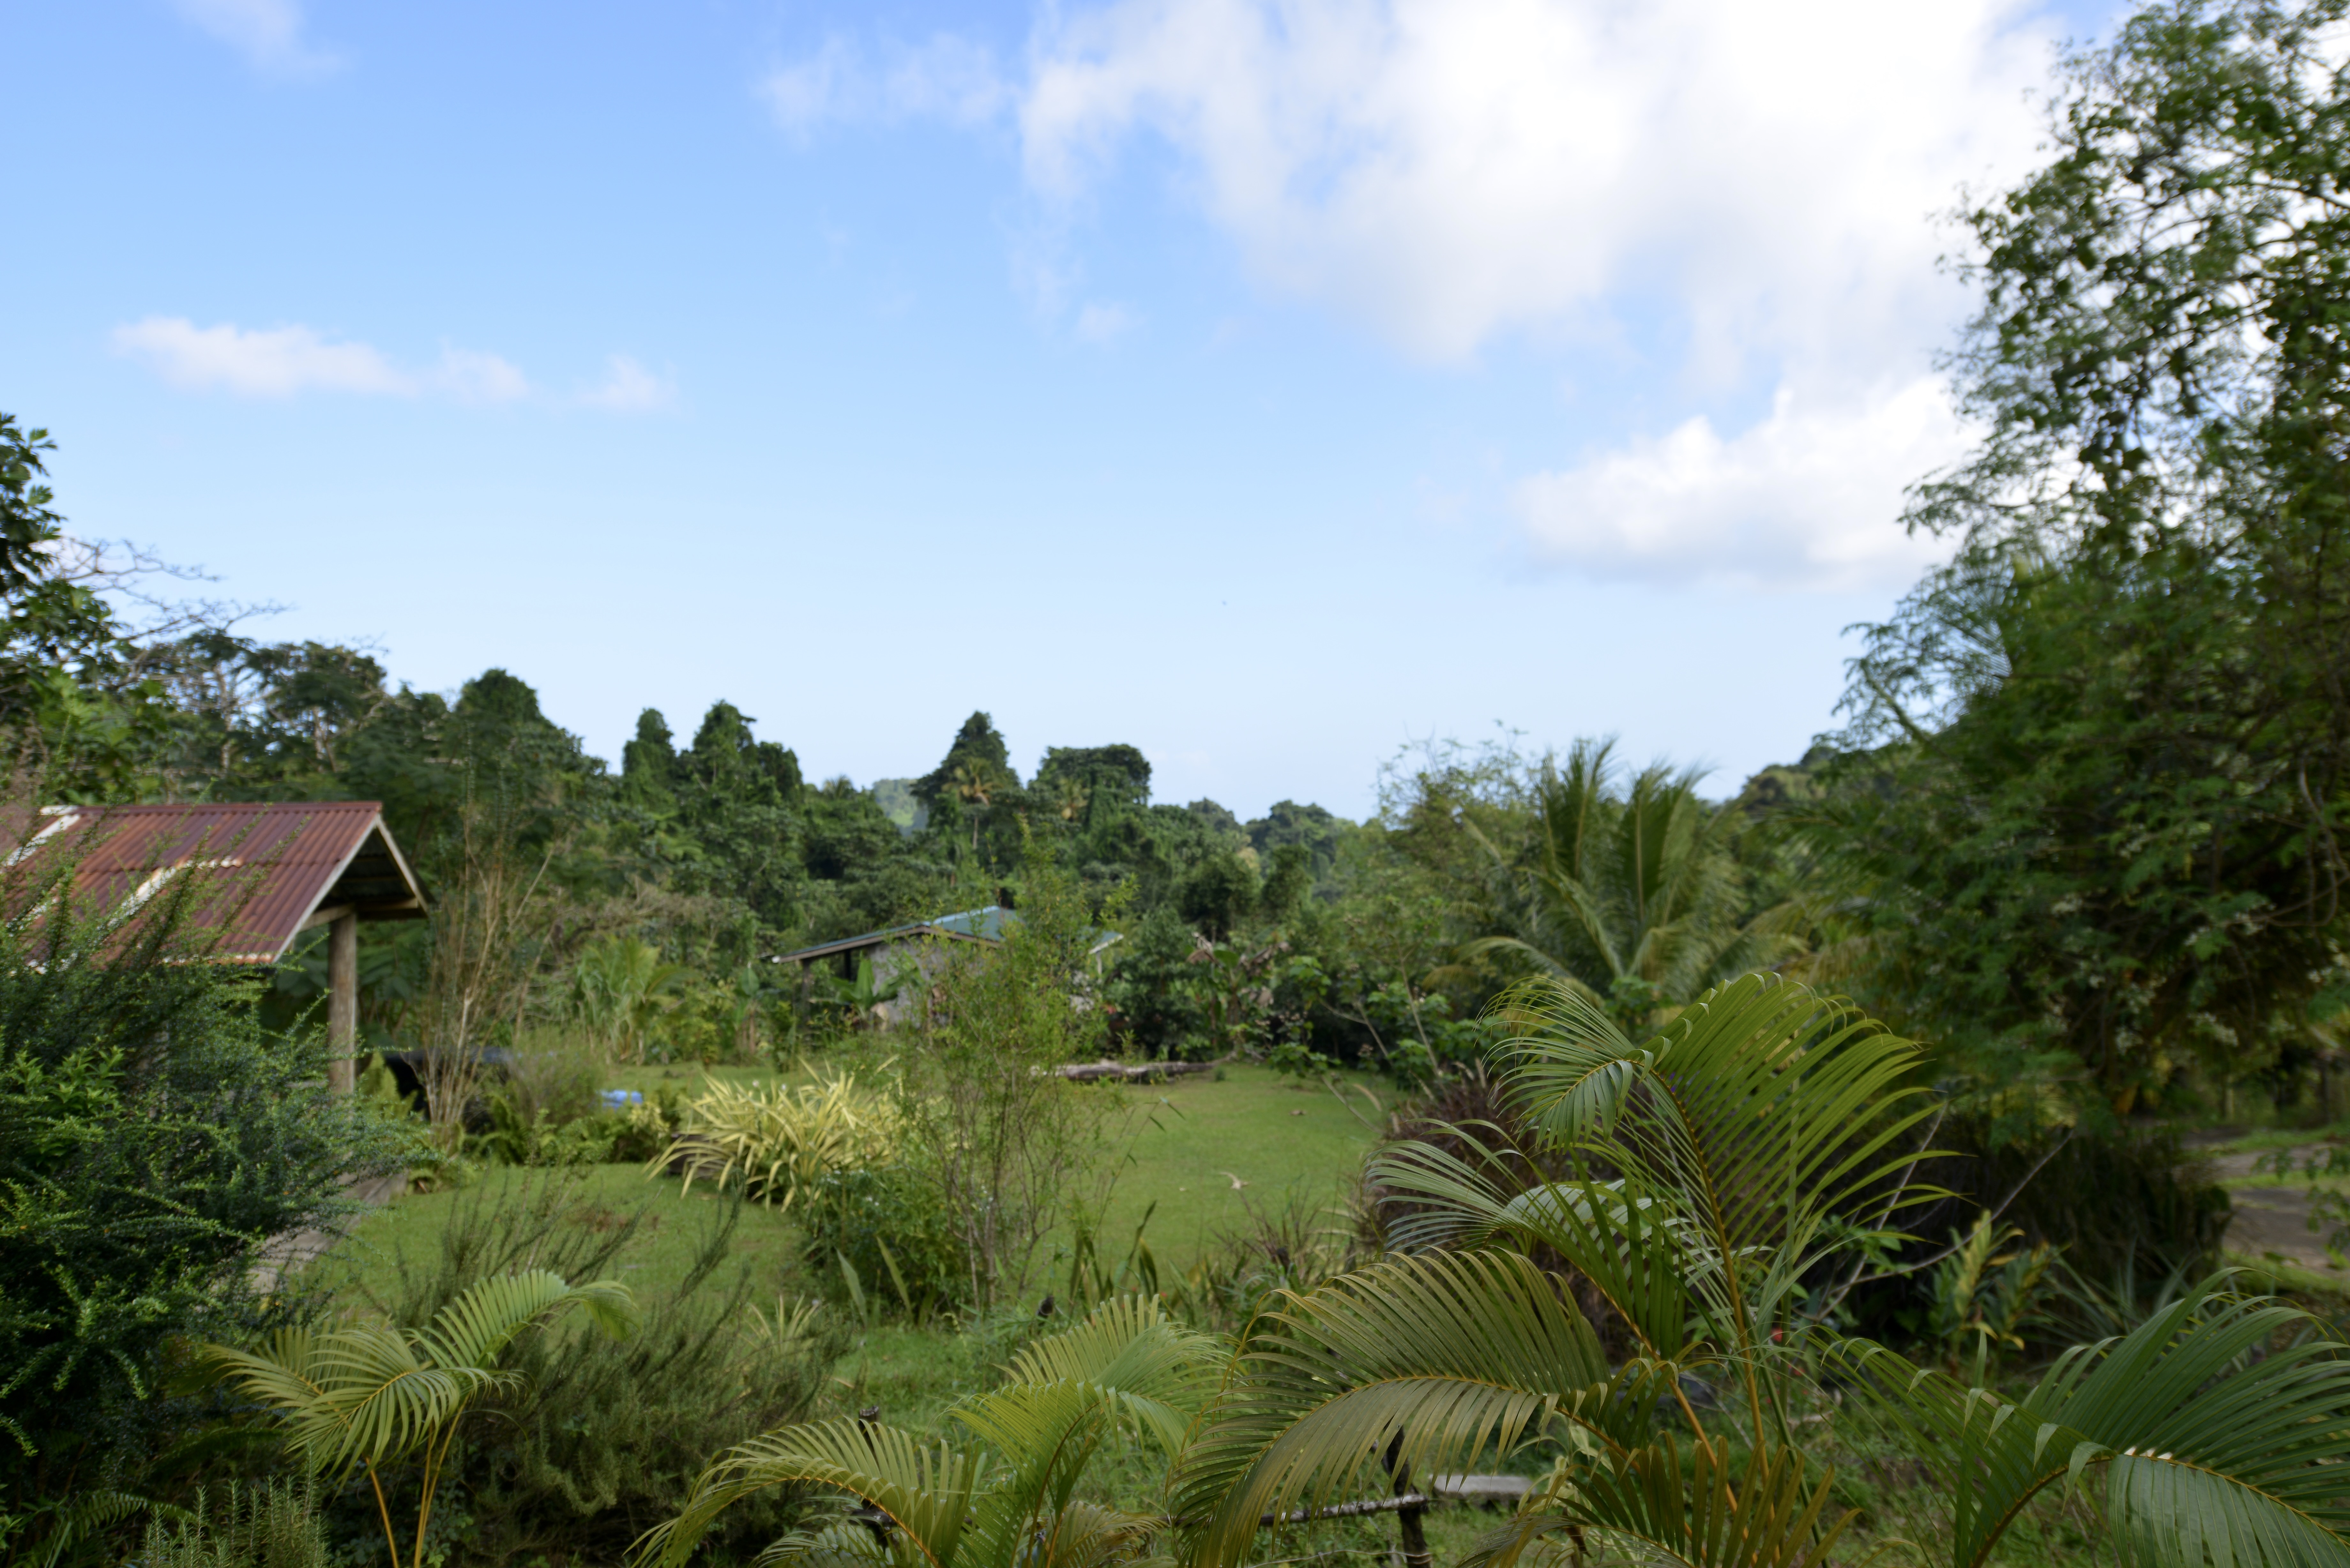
x: 294, y: 864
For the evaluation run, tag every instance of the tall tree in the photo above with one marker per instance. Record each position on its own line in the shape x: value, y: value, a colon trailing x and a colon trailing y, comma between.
x: 977, y: 758
x: 2098, y: 765
x: 77, y: 702
x: 739, y: 796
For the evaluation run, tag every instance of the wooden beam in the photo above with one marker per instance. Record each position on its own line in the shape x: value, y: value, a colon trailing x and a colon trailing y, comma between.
x: 342, y: 1002
x: 324, y: 914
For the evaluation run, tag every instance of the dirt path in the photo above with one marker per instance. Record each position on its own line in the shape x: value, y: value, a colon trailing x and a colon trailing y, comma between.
x: 2273, y: 1220
x: 288, y: 1252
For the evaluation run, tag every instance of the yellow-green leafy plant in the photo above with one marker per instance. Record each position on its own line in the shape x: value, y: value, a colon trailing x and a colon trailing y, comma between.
x: 776, y: 1141
x: 1983, y: 1301
x: 368, y: 1394
x: 1007, y: 1501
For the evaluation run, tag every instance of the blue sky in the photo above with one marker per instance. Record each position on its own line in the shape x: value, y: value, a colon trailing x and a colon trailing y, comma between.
x: 1267, y: 385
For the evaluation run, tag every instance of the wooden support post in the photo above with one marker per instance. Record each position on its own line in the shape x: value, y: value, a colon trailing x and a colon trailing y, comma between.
x: 1410, y: 1535
x: 342, y: 1003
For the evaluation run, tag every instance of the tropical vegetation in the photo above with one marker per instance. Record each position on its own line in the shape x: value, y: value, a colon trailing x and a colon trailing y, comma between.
x: 1767, y: 1171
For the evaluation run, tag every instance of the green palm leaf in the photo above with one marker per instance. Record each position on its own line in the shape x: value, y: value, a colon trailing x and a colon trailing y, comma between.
x: 1130, y: 1356
x: 1124, y: 1361
x: 2218, y: 1448
x: 1632, y: 1251
x: 1753, y: 1118
x: 475, y: 1329
x: 1772, y: 1513
x: 1086, y: 1535
x: 369, y: 1394
x: 924, y: 1489
x: 1432, y: 1361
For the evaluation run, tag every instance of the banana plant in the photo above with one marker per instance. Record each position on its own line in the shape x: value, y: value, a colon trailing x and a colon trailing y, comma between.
x: 1007, y: 1501
x: 368, y: 1394
x: 1712, y: 1168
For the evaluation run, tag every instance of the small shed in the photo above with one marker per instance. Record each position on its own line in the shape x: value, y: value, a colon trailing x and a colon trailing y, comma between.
x: 984, y: 926
x: 908, y: 950
x: 303, y: 864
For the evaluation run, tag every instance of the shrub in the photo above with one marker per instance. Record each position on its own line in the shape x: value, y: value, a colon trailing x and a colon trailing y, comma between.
x: 153, y: 1138
x: 552, y: 1079
x: 772, y: 1142
x: 603, y: 1437
x: 892, y: 1226
x: 645, y: 1127
x: 1002, y: 1135
x: 273, y: 1525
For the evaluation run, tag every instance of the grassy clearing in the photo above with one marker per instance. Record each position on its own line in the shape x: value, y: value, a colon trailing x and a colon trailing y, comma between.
x: 405, y: 1233
x: 1176, y: 1152
x: 1185, y: 1144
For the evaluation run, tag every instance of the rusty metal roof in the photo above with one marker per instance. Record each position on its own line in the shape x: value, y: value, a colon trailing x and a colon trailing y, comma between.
x: 304, y: 862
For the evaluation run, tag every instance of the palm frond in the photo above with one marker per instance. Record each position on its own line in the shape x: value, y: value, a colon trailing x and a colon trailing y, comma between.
x: 1773, y: 1514
x: 2217, y: 1446
x: 1087, y: 1535
x: 1127, y: 1355
x: 1424, y: 1362
x: 87, y: 1514
x: 1630, y: 1248
x: 925, y: 1491
x: 1758, y: 1113
x: 1127, y: 1342
x: 475, y: 1329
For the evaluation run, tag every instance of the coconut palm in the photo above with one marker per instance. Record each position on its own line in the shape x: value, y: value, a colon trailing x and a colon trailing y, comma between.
x: 1628, y: 895
x: 1713, y: 1168
x: 1009, y: 1502
x: 371, y: 1393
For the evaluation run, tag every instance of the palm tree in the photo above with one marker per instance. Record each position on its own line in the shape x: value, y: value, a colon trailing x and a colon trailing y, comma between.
x: 975, y: 784
x: 1746, y: 1137
x: 371, y: 1393
x: 1628, y: 896
x: 1009, y: 1503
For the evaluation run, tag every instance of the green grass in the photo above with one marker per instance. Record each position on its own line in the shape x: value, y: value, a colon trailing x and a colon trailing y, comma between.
x: 1175, y: 1151
x: 1184, y: 1141
x: 688, y: 1077
x: 406, y: 1233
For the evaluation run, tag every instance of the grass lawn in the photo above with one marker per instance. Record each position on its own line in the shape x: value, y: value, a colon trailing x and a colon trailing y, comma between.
x: 1189, y: 1139
x: 406, y: 1233
x: 1176, y: 1151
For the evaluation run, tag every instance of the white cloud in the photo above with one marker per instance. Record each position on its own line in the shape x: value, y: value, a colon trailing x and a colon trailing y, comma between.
x: 1102, y: 324
x: 1806, y: 498
x: 280, y: 361
x: 806, y: 93
x: 947, y: 77
x: 274, y: 362
x: 628, y: 387
x: 268, y: 33
x: 473, y: 377
x: 1448, y: 170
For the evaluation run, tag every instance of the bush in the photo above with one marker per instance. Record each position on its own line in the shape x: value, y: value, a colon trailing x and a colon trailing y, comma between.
x: 1001, y: 1134
x: 552, y: 1080
x: 604, y: 1436
x: 893, y: 1227
x: 772, y: 1142
x: 153, y: 1140
x: 2122, y: 1209
x: 273, y: 1525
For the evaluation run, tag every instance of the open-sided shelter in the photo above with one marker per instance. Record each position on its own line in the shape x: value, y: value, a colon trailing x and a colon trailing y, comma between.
x: 283, y: 867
